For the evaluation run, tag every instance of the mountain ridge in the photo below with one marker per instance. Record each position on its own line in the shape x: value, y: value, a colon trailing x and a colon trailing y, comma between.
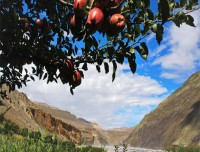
x: 176, y: 120
x: 38, y: 116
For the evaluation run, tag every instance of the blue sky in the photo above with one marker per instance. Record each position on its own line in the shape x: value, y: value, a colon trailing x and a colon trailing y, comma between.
x: 124, y: 102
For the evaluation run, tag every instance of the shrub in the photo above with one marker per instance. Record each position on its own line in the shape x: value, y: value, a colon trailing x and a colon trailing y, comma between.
x: 1, y: 118
x: 24, y: 132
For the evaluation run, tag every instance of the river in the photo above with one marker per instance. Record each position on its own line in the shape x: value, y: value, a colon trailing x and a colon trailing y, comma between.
x: 131, y: 149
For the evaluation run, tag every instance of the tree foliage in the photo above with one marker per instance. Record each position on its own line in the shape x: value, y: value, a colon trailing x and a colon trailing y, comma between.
x: 43, y: 34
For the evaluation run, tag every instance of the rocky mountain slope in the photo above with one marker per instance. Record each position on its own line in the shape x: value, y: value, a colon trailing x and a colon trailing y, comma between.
x: 38, y: 116
x: 176, y: 121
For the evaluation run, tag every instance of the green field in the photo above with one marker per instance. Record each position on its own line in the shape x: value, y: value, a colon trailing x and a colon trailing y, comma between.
x: 14, y: 139
x: 16, y: 143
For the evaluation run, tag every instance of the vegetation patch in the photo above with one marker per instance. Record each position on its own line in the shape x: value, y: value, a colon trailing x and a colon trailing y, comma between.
x: 14, y: 139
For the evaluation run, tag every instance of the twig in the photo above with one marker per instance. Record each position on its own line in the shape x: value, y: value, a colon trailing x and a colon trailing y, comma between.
x: 192, y: 10
x: 104, y: 44
x: 65, y: 3
x: 114, y: 7
x: 140, y: 39
x: 91, y: 62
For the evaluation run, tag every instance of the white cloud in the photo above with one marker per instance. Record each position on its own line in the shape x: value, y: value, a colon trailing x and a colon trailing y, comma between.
x: 183, y: 53
x: 158, y: 50
x: 98, y: 99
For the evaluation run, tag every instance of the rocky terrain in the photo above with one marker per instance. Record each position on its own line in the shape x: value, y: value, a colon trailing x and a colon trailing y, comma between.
x: 176, y: 121
x: 38, y: 116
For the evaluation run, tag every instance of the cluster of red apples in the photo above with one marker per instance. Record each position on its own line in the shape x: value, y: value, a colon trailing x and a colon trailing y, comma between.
x: 70, y: 75
x: 39, y: 24
x: 104, y: 17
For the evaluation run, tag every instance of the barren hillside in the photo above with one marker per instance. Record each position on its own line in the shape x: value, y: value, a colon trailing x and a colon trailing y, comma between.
x: 176, y: 121
x: 38, y: 116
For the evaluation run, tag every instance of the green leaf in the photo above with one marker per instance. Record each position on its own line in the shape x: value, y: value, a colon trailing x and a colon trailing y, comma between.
x: 137, y: 30
x: 99, y: 60
x: 19, y: 85
x: 110, y: 51
x: 150, y: 14
x: 95, y: 42
x: 171, y: 5
x: 190, y: 20
x: 159, y: 33
x: 113, y: 76
x: 144, y: 51
x: 98, y: 68
x: 33, y: 70
x: 119, y: 57
x: 181, y: 15
x: 164, y: 7
x: 131, y: 50
x: 146, y: 28
x: 183, y: 2
x: 45, y: 76
x: 114, y: 70
x: 177, y: 22
x: 71, y: 90
x: 109, y: 38
x: 147, y: 3
x: 32, y: 78
x: 194, y: 2
x: 131, y: 61
x: 84, y: 67
x: 138, y: 4
x: 154, y: 28
x: 114, y: 65
x: 106, y: 66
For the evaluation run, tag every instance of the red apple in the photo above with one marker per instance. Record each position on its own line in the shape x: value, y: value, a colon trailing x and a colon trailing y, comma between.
x: 95, y: 19
x: 76, y: 78
x: 63, y: 77
x: 79, y: 6
x: 106, y: 28
x: 75, y: 25
x: 101, y: 3
x: 66, y: 71
x: 117, y: 22
x: 39, y: 23
x: 69, y: 65
x: 114, y: 3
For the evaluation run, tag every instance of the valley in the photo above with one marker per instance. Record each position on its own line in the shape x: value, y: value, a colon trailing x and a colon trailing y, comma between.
x: 176, y: 121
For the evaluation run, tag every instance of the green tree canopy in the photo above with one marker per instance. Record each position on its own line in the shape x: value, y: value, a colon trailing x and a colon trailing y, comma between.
x: 48, y: 34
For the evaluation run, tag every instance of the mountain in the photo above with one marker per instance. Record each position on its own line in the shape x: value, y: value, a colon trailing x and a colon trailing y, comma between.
x: 41, y: 117
x: 176, y: 121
